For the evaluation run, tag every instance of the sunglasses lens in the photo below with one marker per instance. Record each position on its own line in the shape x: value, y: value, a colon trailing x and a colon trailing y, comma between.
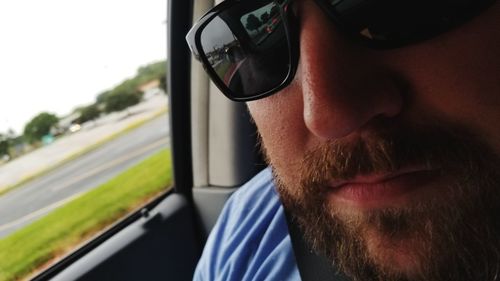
x: 247, y: 48
x: 395, y: 23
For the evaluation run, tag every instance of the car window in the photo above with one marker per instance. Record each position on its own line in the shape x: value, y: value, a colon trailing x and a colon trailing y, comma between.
x: 84, y: 135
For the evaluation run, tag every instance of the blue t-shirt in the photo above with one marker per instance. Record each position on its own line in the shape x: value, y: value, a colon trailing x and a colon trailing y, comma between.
x: 250, y: 240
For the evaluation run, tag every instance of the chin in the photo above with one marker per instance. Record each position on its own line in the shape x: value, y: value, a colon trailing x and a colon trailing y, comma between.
x: 399, y: 258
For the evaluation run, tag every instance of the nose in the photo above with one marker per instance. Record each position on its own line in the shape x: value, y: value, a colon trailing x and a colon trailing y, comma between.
x: 343, y: 86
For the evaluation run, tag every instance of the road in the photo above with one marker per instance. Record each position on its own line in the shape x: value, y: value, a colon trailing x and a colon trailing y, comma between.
x: 40, y: 196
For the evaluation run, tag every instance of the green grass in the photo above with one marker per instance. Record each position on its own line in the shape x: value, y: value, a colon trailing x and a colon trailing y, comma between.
x: 133, y: 126
x: 32, y: 247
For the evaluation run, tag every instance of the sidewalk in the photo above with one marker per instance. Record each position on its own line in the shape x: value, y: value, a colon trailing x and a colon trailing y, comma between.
x: 43, y: 158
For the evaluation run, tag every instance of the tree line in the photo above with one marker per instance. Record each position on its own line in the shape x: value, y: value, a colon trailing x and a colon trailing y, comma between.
x: 119, y: 98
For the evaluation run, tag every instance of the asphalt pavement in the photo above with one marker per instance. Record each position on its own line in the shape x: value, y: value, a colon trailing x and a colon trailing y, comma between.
x: 93, y: 132
x: 45, y: 193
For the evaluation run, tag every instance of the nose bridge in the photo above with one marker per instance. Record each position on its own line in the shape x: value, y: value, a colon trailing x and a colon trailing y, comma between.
x: 342, y: 88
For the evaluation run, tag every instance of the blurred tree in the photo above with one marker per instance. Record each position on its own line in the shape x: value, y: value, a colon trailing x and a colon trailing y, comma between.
x: 18, y: 140
x: 4, y: 145
x: 264, y: 17
x: 39, y: 126
x: 88, y: 113
x: 120, y: 101
x: 126, y: 87
x: 253, y: 22
x: 151, y: 72
x: 102, y: 96
x: 145, y: 74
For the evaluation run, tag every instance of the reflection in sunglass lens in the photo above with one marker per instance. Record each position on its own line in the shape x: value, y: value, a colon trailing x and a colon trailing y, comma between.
x: 247, y: 47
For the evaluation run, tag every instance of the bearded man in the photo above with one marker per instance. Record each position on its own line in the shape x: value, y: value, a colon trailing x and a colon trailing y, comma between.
x: 379, y: 121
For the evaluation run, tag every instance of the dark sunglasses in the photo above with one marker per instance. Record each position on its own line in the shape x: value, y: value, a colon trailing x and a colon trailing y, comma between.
x: 250, y: 48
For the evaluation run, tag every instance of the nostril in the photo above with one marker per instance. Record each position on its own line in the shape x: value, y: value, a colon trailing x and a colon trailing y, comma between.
x: 329, y: 118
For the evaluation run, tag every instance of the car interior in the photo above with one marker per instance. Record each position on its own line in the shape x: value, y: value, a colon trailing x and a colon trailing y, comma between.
x: 214, y: 151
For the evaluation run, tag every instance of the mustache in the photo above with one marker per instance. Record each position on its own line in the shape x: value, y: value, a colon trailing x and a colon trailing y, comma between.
x: 391, y: 149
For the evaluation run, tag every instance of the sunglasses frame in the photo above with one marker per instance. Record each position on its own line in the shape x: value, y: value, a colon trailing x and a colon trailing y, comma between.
x: 289, y: 24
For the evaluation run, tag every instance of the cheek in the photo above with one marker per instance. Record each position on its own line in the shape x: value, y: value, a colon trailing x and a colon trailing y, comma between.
x: 466, y: 94
x: 462, y: 97
x: 284, y: 136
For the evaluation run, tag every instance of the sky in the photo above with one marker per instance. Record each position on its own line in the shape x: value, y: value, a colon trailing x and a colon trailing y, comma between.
x: 56, y: 55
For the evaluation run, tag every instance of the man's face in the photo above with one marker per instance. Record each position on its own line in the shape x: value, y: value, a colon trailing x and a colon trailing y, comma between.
x: 389, y: 159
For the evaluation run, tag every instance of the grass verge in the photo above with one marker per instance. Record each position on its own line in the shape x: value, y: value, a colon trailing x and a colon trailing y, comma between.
x: 135, y: 125
x: 31, y: 247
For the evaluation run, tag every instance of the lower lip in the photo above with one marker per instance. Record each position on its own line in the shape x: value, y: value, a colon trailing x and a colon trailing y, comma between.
x: 387, y: 192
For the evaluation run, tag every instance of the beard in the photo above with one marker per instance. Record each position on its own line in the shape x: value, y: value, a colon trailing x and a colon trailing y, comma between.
x: 454, y: 235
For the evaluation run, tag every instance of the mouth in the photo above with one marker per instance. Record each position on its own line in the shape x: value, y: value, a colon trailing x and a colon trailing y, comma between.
x: 384, y: 189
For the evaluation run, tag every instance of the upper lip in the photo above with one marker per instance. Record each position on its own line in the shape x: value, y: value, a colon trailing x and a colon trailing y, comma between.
x: 376, y: 178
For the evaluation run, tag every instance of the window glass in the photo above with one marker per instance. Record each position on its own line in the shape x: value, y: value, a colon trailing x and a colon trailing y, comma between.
x: 84, y: 137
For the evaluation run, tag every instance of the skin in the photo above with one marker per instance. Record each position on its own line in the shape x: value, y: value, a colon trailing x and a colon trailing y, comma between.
x: 341, y: 89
